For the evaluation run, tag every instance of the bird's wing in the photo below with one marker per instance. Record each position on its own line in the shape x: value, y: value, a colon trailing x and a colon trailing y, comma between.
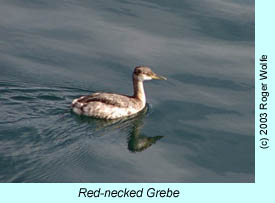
x: 107, y: 98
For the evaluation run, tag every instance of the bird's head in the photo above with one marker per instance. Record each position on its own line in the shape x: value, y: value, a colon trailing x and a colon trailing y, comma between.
x: 142, y: 73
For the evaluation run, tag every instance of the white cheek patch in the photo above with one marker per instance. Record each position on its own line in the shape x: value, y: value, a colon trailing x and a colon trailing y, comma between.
x: 144, y: 77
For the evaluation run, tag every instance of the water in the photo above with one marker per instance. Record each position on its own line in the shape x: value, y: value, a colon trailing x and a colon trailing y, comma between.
x: 198, y: 125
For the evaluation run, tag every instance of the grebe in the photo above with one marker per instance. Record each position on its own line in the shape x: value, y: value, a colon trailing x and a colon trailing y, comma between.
x: 113, y: 106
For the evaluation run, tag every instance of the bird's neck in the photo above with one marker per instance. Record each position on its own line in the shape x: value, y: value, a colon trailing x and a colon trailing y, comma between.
x: 139, y: 90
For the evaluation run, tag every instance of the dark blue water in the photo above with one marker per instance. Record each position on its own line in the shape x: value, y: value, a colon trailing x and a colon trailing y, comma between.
x: 198, y: 125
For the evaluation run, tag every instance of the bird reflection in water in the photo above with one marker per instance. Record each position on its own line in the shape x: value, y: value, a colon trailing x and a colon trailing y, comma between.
x: 137, y: 141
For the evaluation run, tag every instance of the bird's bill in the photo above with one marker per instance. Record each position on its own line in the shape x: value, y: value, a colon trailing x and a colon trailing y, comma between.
x: 158, y: 77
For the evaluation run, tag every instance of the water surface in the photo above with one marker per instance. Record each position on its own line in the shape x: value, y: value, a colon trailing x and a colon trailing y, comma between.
x: 198, y: 125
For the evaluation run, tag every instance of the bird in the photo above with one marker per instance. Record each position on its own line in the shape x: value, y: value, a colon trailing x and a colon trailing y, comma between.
x: 109, y: 106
